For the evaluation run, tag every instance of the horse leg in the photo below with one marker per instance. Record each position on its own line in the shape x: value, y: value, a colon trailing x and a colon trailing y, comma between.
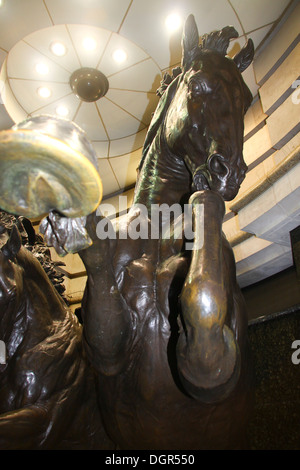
x: 106, y: 320
x: 207, y: 351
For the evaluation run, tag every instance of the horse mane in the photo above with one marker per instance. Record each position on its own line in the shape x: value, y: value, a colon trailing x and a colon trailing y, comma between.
x: 218, y: 41
x: 34, y: 243
x: 166, y: 97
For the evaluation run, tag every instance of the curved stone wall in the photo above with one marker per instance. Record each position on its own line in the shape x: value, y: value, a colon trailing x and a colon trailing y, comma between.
x: 259, y: 221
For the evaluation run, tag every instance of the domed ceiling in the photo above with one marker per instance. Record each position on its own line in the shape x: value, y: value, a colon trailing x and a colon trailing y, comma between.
x: 99, y: 63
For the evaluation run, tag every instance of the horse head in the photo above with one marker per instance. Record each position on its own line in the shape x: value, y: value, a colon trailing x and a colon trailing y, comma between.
x: 204, y: 122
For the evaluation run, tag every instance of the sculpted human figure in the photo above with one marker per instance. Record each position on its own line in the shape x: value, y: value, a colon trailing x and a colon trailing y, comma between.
x: 48, y: 396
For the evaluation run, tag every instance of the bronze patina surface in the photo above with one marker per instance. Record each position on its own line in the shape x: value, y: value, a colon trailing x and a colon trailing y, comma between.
x: 165, y: 327
x: 44, y: 167
x: 48, y: 397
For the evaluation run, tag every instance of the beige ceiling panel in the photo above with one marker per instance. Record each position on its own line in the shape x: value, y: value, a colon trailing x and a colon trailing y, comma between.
x: 5, y: 121
x: 258, y: 13
x: 105, y: 13
x: 89, y: 57
x: 153, y: 36
x: 19, y: 18
x: 125, y: 168
x: 88, y: 119
x: 10, y: 105
x: 211, y: 16
x: 118, y: 123
x: 69, y: 103
x: 101, y: 148
x: 42, y: 40
x: 128, y: 144
x: 23, y: 60
x: 3, y: 55
x: 110, y: 184
x: 151, y: 33
x: 145, y: 76
x: 133, y: 53
x: 25, y: 92
x: 139, y: 104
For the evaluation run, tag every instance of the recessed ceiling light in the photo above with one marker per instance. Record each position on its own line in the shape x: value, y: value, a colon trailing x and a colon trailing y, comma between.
x: 42, y: 68
x: 58, y: 49
x: 119, y: 55
x: 173, y: 22
x: 89, y: 44
x: 62, y: 110
x: 44, y: 92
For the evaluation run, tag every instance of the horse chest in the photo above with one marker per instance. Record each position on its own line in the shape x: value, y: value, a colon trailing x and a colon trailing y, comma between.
x: 139, y: 286
x: 148, y: 290
x: 147, y: 287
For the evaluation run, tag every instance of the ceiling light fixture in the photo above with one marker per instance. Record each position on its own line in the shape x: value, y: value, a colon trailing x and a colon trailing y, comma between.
x: 89, y: 44
x: 119, y: 56
x: 44, y: 92
x: 62, y: 110
x: 58, y: 49
x: 173, y: 22
x: 42, y: 68
x: 89, y: 84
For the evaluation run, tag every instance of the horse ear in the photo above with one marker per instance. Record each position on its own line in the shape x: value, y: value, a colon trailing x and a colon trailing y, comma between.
x: 244, y: 58
x: 13, y: 244
x: 190, y: 41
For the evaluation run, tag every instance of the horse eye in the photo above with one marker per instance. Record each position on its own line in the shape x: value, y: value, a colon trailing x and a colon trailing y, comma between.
x: 194, y: 87
x: 199, y: 86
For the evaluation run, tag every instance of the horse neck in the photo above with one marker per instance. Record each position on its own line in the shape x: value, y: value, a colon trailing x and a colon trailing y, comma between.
x: 163, y: 177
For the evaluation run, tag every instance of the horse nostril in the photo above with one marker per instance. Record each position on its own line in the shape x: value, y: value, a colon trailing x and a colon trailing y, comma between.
x: 216, y: 163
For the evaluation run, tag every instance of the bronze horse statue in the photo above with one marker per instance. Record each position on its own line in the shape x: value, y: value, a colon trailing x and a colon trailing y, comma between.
x: 48, y: 396
x: 166, y: 327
